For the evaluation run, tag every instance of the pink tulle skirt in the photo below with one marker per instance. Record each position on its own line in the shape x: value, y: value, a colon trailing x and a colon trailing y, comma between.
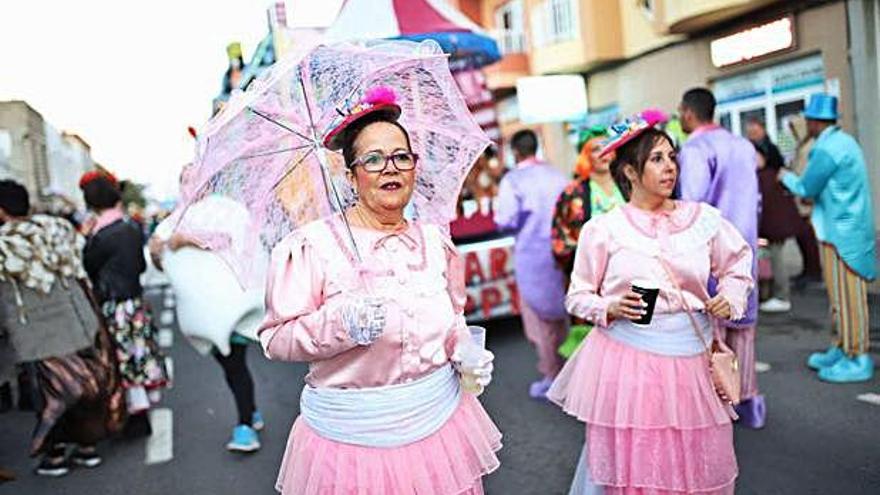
x: 452, y: 461
x: 654, y: 423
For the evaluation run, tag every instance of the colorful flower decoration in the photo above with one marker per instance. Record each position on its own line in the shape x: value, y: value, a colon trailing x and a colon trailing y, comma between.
x: 624, y: 132
x: 378, y: 99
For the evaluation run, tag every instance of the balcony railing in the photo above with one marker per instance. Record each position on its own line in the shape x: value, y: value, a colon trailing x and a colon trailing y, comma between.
x: 510, y: 42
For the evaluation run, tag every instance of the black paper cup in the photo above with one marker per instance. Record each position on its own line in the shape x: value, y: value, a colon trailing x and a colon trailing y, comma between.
x: 649, y: 291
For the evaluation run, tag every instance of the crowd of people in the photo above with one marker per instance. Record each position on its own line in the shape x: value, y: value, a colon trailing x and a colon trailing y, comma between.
x: 78, y: 337
x: 374, y: 303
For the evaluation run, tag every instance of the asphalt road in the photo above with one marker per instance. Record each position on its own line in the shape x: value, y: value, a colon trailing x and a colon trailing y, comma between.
x: 820, y: 439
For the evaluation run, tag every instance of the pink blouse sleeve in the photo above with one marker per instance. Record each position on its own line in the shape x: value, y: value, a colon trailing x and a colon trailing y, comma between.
x: 300, y: 324
x: 583, y: 299
x: 455, y: 286
x: 731, y: 264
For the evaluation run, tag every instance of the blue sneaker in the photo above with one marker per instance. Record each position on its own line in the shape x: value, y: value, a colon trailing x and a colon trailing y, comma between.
x: 257, y: 422
x: 244, y: 439
x: 752, y: 412
x: 827, y: 359
x: 849, y: 370
x: 538, y: 390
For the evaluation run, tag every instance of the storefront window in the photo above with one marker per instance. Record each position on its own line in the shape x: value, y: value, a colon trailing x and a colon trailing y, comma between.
x: 772, y: 95
x: 785, y: 139
x: 751, y: 115
x: 724, y: 120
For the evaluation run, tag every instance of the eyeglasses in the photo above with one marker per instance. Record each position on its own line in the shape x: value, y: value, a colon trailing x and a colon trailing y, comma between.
x: 378, y: 162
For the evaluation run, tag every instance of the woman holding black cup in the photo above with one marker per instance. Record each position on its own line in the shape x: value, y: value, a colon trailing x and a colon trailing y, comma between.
x: 642, y: 384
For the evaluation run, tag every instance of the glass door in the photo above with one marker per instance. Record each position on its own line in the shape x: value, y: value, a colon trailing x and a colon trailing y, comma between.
x: 758, y: 114
x: 785, y: 138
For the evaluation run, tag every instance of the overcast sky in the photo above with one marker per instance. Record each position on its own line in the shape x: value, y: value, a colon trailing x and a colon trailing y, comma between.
x: 129, y: 76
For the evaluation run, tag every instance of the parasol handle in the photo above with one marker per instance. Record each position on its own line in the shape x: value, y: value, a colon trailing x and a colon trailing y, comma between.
x: 331, y: 186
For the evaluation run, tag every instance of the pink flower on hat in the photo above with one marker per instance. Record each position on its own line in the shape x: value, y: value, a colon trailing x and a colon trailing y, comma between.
x: 377, y: 99
x: 654, y: 116
x: 380, y: 95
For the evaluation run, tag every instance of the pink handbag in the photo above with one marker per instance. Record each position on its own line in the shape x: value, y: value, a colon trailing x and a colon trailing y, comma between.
x: 722, y: 361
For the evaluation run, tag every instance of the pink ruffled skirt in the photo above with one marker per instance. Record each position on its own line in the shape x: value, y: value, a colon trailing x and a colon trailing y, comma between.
x: 452, y: 461
x: 654, y: 423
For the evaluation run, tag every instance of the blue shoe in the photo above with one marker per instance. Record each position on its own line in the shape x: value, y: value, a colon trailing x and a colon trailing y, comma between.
x: 827, y: 359
x: 849, y: 370
x: 244, y: 439
x: 257, y: 422
x: 752, y: 412
x: 538, y: 390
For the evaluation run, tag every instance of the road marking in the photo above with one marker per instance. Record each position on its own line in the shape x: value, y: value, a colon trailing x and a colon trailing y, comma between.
x: 166, y: 337
x: 870, y: 398
x: 160, y: 445
x: 762, y: 367
x: 169, y: 369
x: 166, y: 317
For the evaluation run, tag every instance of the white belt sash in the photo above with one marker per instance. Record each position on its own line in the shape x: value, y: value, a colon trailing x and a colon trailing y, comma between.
x: 668, y: 334
x: 388, y: 416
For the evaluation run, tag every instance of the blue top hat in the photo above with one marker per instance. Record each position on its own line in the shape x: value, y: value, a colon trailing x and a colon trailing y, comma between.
x: 822, y: 106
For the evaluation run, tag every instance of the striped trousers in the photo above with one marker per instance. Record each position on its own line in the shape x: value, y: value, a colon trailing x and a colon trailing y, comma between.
x: 848, y: 298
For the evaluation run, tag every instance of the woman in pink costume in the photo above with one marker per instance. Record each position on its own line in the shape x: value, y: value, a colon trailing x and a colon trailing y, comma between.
x: 654, y: 423
x: 377, y: 313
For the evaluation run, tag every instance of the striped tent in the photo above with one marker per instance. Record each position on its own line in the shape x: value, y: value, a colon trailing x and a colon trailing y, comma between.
x: 468, y: 45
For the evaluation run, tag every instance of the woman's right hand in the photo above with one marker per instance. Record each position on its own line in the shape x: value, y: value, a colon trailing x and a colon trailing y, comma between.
x: 630, y: 306
x: 364, y: 319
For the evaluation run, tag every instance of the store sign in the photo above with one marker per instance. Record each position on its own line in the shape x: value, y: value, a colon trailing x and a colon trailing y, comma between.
x: 544, y: 99
x: 780, y: 78
x: 754, y: 42
x: 491, y: 288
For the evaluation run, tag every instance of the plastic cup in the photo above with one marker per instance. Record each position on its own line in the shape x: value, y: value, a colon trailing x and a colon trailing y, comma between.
x: 470, y: 359
x: 649, y: 291
x: 478, y: 336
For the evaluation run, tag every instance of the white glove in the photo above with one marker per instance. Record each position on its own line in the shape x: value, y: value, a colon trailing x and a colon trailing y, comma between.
x: 364, y: 319
x: 481, y: 367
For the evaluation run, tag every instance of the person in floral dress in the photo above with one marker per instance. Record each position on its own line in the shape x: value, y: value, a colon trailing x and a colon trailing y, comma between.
x: 114, y: 259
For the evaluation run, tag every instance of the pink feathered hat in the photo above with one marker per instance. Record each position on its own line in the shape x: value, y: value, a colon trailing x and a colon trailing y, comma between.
x: 380, y: 99
x: 624, y: 132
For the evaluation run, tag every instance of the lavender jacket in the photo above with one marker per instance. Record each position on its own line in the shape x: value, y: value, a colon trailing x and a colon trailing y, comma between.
x: 526, y: 199
x: 720, y: 169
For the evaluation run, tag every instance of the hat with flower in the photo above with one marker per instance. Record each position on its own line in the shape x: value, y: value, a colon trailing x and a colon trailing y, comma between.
x: 378, y: 100
x: 624, y: 132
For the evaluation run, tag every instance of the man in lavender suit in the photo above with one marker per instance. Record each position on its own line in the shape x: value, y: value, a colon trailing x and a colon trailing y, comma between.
x: 526, y: 199
x: 720, y: 169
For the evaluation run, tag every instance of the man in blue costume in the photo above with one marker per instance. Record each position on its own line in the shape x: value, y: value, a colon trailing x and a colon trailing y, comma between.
x: 836, y: 179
